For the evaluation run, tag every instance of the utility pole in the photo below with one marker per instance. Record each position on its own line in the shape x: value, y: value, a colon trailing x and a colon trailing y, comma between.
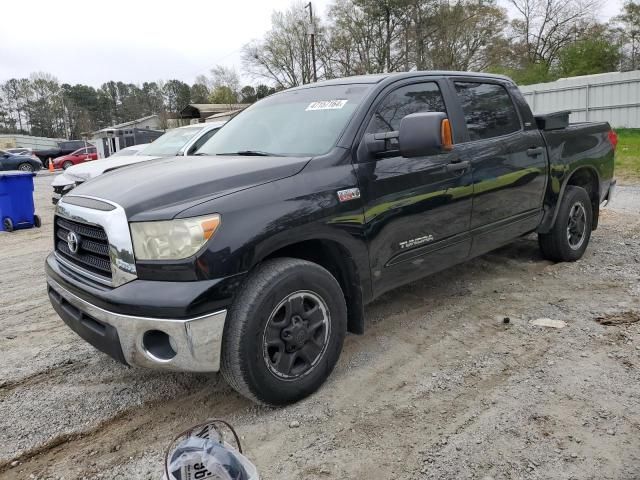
x: 313, y: 41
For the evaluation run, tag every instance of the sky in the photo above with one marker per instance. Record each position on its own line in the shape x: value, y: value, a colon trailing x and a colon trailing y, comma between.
x: 134, y: 41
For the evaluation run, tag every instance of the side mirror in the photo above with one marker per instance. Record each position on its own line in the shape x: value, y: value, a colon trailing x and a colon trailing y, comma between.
x: 5, y: 155
x: 420, y: 134
x: 424, y: 133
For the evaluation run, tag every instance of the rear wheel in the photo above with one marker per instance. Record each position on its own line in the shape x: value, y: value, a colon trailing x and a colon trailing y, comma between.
x: 67, y: 164
x: 284, y: 332
x: 7, y: 223
x: 25, y: 167
x: 570, y: 235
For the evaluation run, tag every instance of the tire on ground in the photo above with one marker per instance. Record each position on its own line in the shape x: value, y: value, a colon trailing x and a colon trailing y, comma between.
x: 555, y: 245
x: 243, y: 362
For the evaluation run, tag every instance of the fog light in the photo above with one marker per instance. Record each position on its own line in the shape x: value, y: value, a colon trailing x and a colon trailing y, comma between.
x: 159, y: 345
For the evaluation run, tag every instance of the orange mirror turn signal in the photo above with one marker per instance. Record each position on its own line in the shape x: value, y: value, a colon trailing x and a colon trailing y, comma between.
x: 446, y: 135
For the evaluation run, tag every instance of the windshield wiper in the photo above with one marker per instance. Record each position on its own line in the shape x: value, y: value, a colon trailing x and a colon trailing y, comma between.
x: 251, y: 153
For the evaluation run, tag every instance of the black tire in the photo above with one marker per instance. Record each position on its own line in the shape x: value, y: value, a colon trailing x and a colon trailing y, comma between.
x: 569, y: 238
x: 7, y: 223
x: 248, y: 357
x: 25, y: 167
x: 67, y: 164
x: 37, y: 221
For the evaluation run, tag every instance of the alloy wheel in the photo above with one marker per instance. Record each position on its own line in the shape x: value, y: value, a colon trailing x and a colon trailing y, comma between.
x: 296, y: 335
x: 577, y: 226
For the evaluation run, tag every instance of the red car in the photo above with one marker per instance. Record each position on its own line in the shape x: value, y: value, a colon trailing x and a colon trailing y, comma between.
x: 79, y: 156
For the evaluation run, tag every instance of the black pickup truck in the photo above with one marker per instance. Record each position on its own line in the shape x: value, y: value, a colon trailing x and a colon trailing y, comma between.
x: 257, y: 255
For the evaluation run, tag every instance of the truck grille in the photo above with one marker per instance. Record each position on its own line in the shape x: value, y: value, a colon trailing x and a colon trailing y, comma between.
x: 92, y: 253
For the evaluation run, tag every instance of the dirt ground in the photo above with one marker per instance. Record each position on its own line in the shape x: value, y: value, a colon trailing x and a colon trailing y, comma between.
x: 439, y: 387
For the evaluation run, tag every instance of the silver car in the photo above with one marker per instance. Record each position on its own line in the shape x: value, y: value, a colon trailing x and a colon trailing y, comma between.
x: 178, y: 142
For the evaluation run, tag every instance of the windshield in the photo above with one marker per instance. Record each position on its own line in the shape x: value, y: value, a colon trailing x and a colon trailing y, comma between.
x: 304, y: 122
x: 171, y: 142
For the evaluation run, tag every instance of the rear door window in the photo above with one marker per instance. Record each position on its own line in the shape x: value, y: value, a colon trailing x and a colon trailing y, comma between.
x: 488, y: 110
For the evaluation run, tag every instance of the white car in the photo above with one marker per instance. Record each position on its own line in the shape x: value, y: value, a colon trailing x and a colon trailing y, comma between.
x: 132, y: 150
x: 178, y: 142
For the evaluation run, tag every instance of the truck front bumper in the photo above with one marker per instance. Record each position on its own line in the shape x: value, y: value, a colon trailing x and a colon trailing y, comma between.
x: 192, y: 345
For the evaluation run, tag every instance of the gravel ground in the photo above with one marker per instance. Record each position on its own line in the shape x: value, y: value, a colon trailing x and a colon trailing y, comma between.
x: 438, y: 387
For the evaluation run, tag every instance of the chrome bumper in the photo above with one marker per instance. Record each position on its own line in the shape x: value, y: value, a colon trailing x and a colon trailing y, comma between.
x: 195, y: 344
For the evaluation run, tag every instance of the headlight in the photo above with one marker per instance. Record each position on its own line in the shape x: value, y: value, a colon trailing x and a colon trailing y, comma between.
x: 173, y: 239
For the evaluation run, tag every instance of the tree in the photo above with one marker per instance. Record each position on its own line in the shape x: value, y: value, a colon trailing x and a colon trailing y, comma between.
x: 199, y: 93
x: 248, y: 94
x: 589, y: 56
x: 263, y: 91
x: 223, y: 94
x: 460, y: 35
x: 629, y: 32
x: 284, y: 55
x: 544, y: 27
x: 176, y: 95
x: 366, y: 37
x: 222, y: 76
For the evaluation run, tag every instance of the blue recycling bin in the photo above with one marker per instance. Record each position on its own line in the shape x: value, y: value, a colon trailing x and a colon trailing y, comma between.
x: 16, y: 201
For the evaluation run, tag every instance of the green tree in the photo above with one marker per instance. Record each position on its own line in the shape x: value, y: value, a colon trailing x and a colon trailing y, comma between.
x: 176, y: 95
x: 199, y: 93
x: 223, y: 94
x: 248, y: 94
x: 588, y: 56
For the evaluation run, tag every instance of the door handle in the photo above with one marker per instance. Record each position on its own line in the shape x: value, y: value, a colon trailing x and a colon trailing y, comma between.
x: 458, y: 166
x: 535, y: 151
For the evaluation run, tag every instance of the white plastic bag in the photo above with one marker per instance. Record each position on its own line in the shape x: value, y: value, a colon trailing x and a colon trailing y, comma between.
x: 201, y: 453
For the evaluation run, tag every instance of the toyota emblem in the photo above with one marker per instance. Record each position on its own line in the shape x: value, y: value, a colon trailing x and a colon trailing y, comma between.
x: 73, y: 242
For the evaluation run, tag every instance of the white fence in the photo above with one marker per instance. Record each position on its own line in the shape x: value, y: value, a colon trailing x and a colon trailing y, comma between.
x: 612, y: 97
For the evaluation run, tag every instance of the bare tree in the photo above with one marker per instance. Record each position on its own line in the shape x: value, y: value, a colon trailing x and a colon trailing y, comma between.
x: 460, y: 35
x: 543, y: 27
x: 628, y: 31
x: 368, y: 37
x: 284, y: 55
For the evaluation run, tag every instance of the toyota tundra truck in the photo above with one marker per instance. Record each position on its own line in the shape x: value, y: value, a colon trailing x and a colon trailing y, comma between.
x: 255, y: 256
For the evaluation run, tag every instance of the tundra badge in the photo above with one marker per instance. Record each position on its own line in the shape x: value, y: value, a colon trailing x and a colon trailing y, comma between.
x: 348, y: 194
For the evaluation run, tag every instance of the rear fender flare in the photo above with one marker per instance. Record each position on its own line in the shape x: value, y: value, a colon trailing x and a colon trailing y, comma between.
x: 549, y: 219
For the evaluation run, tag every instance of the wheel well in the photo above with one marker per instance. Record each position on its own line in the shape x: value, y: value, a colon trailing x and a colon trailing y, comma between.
x: 588, y: 179
x: 337, y: 260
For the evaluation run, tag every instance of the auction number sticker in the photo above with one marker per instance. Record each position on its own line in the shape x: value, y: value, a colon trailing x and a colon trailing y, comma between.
x: 326, y: 105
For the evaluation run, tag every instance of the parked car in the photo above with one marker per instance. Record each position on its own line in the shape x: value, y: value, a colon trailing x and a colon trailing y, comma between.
x: 256, y: 256
x: 177, y: 142
x: 20, y: 151
x: 76, y: 158
x: 9, y: 161
x: 132, y: 150
x: 64, y: 148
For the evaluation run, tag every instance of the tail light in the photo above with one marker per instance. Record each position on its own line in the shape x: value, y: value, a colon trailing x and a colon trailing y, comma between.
x: 613, y: 138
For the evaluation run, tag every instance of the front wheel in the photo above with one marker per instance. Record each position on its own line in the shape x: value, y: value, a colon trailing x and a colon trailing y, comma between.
x: 67, y: 164
x: 284, y: 332
x: 569, y: 237
x: 25, y: 167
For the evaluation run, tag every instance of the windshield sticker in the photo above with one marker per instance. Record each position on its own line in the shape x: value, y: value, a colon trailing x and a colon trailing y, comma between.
x: 326, y: 105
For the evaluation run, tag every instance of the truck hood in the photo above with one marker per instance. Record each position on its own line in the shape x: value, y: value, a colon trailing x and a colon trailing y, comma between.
x: 85, y: 171
x: 161, y: 189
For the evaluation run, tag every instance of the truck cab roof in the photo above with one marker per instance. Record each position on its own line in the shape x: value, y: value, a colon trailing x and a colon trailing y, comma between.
x: 394, y: 76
